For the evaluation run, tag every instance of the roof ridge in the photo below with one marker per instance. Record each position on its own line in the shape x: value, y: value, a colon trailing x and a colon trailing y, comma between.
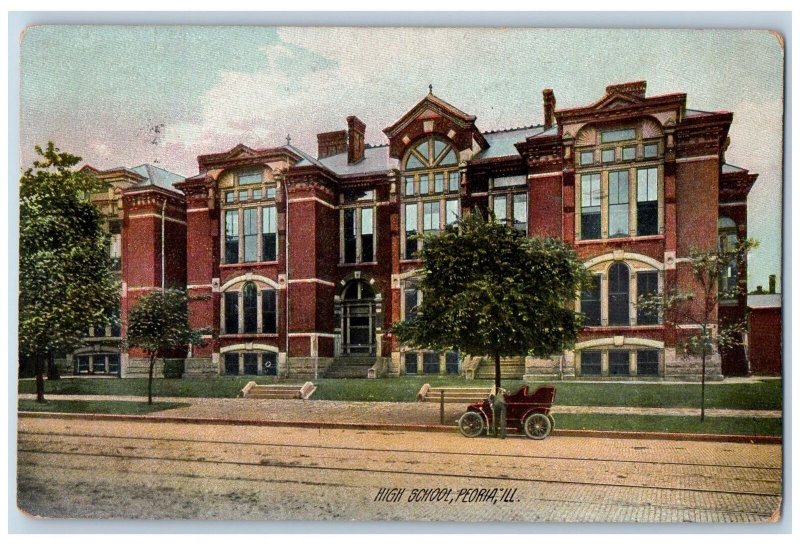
x: 512, y: 129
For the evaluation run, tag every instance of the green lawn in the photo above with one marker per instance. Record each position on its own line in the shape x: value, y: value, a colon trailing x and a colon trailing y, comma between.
x: 682, y: 424
x: 98, y: 407
x: 764, y: 394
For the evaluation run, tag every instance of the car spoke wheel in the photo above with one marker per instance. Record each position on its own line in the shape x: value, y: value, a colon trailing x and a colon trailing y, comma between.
x: 470, y: 424
x: 552, y: 421
x: 537, y: 426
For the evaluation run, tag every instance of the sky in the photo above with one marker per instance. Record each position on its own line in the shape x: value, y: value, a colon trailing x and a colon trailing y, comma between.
x: 127, y: 95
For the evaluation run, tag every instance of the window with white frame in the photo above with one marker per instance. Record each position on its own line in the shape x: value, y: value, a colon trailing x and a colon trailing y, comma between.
x: 358, y: 226
x: 250, y: 363
x: 509, y: 200
x: 430, y: 183
x: 249, y: 219
x: 623, y: 198
x: 250, y: 310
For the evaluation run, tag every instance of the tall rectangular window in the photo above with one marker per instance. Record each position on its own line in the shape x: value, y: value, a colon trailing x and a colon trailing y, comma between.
x: 411, y: 296
x: 520, y: 210
x: 232, y: 236
x: 409, y: 189
x: 250, y: 363
x: 590, y: 362
x: 231, y: 312
x: 269, y: 311
x: 269, y: 234
x: 113, y: 364
x: 232, y: 363
x: 438, y: 182
x: 618, y: 203
x: 500, y: 208
x: 647, y: 362
x: 411, y: 363
x: 367, y: 236
x: 646, y: 287
x: 350, y: 235
x: 451, y: 211
x: 618, y: 362
x: 647, y: 201
x: 269, y: 363
x: 423, y: 184
x: 453, y: 181
x: 411, y: 230
x: 590, y: 302
x: 430, y: 216
x: 451, y: 363
x: 430, y: 362
x: 250, y: 234
x: 590, y: 206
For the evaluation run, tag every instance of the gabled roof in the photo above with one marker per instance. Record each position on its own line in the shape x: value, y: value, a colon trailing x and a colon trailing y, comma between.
x: 622, y: 99
x: 435, y: 105
x: 241, y: 154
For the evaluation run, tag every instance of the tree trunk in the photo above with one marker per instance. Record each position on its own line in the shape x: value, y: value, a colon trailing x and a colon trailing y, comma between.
x: 497, y: 369
x: 52, y: 368
x: 150, y: 378
x: 38, y: 362
x: 703, y: 389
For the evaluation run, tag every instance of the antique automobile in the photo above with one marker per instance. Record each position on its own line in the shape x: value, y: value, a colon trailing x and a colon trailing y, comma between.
x: 526, y: 412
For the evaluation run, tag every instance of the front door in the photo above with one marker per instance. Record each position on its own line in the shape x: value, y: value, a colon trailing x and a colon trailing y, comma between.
x: 358, y: 319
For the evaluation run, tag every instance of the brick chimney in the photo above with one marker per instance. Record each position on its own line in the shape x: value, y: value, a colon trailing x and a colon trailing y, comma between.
x: 331, y: 143
x: 355, y: 139
x: 549, y: 108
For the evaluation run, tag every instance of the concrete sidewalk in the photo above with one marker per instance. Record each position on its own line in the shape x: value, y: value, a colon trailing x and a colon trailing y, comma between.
x: 376, y: 412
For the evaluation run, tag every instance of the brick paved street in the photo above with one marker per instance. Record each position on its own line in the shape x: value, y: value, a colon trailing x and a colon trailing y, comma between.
x: 75, y: 468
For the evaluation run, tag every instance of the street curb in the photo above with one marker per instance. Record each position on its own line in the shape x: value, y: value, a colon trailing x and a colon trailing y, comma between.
x: 755, y: 439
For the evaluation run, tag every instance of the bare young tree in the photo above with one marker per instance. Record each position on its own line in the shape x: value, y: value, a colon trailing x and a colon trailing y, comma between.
x: 710, y: 271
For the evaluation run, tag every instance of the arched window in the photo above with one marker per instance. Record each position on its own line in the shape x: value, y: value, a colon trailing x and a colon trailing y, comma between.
x: 241, y: 309
x: 618, y: 295
x: 430, y: 190
x: 250, y: 307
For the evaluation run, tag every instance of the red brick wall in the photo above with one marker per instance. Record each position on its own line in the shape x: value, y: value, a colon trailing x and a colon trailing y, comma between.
x: 765, y: 341
x: 545, y: 206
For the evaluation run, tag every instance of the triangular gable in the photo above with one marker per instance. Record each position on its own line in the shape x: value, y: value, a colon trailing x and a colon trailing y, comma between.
x: 616, y: 100
x: 429, y: 107
x: 240, y: 150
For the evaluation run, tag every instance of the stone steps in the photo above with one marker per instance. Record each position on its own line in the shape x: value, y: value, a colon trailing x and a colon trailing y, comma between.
x: 277, y: 391
x: 350, y: 367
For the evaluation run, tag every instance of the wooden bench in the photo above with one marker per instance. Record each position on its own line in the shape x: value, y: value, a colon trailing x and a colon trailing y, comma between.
x: 452, y: 394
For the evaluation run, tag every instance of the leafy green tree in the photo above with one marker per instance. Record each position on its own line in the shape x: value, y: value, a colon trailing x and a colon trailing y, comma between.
x: 65, y: 276
x: 159, y: 322
x: 709, y: 272
x: 488, y: 289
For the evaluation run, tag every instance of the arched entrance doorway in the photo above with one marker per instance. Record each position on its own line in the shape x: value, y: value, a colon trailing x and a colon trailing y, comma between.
x: 358, y: 319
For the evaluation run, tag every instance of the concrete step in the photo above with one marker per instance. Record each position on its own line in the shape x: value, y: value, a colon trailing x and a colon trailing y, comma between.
x: 286, y: 395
